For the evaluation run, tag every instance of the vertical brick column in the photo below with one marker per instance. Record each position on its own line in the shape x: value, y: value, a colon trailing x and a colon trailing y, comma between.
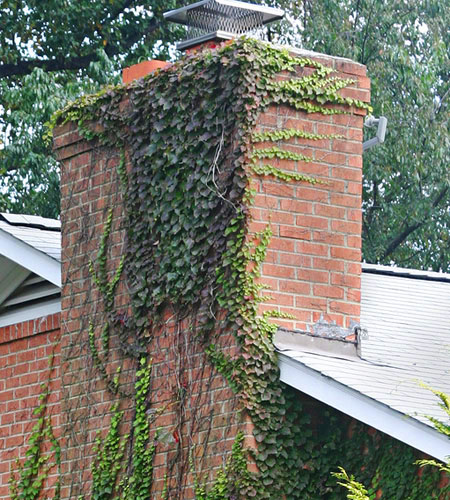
x: 89, y: 187
x: 211, y: 414
x: 313, y: 264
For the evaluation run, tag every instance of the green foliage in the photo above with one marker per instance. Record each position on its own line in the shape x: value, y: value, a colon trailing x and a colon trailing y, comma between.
x: 109, y: 453
x: 29, y: 175
x: 444, y: 403
x: 138, y: 483
x: 109, y: 476
x: 282, y: 154
x: 51, y: 53
x: 382, y: 463
x: 442, y: 427
x: 266, y: 170
x: 225, y: 365
x: 276, y: 415
x: 395, y: 475
x: 232, y: 479
x: 405, y: 46
x: 298, y: 93
x: 356, y: 490
x: 100, y: 277
x: 287, y: 133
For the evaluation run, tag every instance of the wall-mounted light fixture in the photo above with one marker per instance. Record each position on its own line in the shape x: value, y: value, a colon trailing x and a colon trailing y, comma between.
x: 381, y: 124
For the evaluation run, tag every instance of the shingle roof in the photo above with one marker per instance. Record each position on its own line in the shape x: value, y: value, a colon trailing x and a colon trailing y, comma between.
x: 407, y: 315
x: 38, y: 232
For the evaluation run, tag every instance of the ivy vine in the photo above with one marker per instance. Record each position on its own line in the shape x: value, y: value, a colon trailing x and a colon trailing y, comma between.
x: 28, y: 481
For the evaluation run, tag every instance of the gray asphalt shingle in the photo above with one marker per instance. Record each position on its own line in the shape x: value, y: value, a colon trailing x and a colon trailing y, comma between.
x: 40, y: 233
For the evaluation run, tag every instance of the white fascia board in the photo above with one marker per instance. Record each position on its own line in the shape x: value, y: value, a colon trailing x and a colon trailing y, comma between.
x: 402, y: 427
x: 30, y: 258
x: 29, y: 312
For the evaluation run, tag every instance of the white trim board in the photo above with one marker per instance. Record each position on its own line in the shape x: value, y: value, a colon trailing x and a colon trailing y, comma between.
x: 30, y: 258
x: 29, y: 312
x: 365, y: 409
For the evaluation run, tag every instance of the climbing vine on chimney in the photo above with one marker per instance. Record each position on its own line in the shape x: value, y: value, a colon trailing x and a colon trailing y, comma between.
x: 188, y: 133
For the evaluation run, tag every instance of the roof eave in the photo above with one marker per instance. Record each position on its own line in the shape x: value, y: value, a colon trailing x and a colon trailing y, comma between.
x: 30, y: 258
x: 363, y: 408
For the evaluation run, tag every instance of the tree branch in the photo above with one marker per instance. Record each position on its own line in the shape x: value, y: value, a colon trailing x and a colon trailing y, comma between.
x: 73, y: 63
x: 400, y: 238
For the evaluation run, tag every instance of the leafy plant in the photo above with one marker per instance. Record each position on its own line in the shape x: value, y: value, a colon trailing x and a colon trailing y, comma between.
x: 356, y: 490
x: 188, y: 133
x: 442, y: 427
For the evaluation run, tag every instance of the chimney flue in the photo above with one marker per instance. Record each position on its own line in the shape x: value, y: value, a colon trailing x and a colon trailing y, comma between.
x: 219, y: 20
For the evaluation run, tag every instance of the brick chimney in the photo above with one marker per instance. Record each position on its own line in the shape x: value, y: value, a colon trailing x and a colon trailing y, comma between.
x: 142, y: 69
x: 313, y: 264
x: 312, y: 267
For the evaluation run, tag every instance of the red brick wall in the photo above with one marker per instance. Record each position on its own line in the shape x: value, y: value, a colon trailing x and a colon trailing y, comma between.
x: 88, y: 187
x: 313, y: 265
x: 25, y: 350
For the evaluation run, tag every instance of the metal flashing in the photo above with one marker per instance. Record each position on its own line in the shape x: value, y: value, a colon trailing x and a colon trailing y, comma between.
x: 287, y: 340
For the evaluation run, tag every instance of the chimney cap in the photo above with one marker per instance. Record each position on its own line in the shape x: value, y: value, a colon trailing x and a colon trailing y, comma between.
x: 220, y: 20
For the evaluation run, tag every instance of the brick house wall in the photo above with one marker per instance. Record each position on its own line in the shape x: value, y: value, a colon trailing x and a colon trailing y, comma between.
x: 313, y: 267
x: 25, y: 349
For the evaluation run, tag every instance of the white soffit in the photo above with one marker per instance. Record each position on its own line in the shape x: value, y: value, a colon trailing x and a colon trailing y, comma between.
x: 31, y: 251
x: 11, y: 277
x: 31, y: 311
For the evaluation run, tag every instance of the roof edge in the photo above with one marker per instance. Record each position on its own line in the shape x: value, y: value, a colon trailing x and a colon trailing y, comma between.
x: 30, y: 258
x: 403, y: 272
x: 365, y: 409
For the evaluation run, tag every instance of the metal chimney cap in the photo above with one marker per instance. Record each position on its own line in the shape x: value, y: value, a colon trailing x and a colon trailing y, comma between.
x: 221, y: 19
x: 180, y: 16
